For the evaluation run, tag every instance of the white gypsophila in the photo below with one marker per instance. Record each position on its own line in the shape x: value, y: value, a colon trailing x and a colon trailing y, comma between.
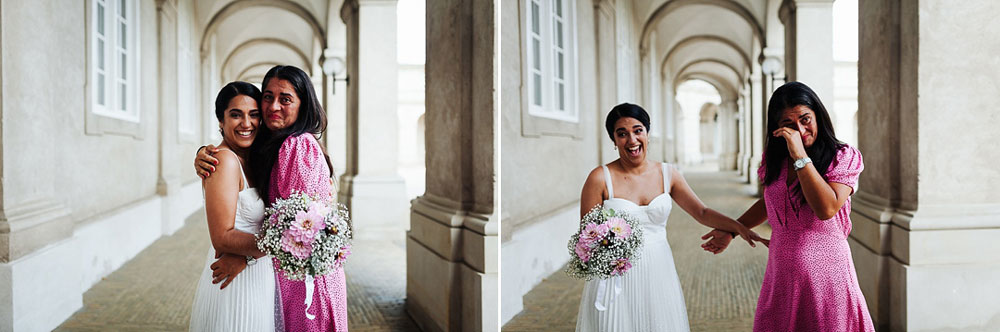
x: 329, y: 246
x: 605, y: 251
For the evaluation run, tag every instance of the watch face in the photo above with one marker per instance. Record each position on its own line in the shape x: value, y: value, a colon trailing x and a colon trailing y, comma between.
x: 800, y: 163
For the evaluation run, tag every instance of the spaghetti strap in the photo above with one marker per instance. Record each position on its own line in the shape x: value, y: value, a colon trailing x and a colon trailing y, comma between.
x: 246, y: 184
x: 666, y: 178
x: 607, y: 182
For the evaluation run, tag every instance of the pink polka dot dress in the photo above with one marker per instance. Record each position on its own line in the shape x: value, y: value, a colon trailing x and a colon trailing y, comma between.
x: 810, y: 283
x: 302, y: 167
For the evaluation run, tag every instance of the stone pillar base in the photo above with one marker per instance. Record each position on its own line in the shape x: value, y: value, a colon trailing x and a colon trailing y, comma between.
x: 727, y: 161
x: 375, y: 201
x: 741, y: 164
x: 37, y: 297
x: 914, y: 268
x: 755, y: 185
x: 451, y: 277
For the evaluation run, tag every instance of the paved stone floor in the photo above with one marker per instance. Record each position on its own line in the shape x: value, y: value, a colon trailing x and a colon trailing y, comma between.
x: 154, y: 291
x: 720, y: 291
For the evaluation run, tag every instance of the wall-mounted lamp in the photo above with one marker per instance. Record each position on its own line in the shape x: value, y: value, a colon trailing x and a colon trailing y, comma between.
x: 771, y: 66
x: 333, y: 67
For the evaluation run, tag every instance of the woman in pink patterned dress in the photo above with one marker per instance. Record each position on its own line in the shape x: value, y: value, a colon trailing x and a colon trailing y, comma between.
x: 287, y: 156
x: 809, y: 176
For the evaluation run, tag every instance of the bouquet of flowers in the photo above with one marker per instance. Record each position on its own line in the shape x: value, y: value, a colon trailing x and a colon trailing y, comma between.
x: 308, y: 236
x: 606, y: 245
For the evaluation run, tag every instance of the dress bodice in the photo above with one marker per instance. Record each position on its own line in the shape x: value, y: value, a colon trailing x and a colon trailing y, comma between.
x: 249, y: 208
x: 653, y: 216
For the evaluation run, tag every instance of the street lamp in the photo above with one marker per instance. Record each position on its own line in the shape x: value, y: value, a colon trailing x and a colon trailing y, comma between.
x: 334, y: 66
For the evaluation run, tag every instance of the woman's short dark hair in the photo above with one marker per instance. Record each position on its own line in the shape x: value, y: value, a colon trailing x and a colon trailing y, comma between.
x: 230, y: 91
x: 625, y: 110
x: 311, y: 120
x: 823, y: 150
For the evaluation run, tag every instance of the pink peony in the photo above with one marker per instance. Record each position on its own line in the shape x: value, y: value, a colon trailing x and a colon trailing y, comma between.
x: 593, y: 232
x: 319, y: 208
x: 306, y: 225
x: 621, y: 265
x: 583, y: 251
x: 620, y: 227
x: 299, y: 249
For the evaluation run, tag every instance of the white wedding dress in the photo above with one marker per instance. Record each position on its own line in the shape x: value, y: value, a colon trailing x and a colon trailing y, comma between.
x: 248, y: 303
x: 650, y: 297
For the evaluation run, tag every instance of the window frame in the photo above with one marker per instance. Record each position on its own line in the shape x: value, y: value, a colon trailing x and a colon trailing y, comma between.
x: 116, y: 115
x: 547, y: 53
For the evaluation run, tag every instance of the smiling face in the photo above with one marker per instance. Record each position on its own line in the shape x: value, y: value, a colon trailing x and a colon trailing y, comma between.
x: 630, y: 138
x: 800, y: 118
x: 240, y: 121
x: 280, y: 104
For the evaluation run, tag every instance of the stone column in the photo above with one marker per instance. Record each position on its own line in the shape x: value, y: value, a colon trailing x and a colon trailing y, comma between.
x: 371, y: 187
x: 809, y: 45
x: 926, y: 215
x: 756, y: 124
x: 452, y: 247
x: 743, y: 128
x: 666, y: 101
x: 727, y: 135
x: 168, y: 182
x: 607, y: 86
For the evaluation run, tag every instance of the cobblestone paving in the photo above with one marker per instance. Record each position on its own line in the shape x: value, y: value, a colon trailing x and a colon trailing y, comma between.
x: 154, y: 291
x: 720, y: 291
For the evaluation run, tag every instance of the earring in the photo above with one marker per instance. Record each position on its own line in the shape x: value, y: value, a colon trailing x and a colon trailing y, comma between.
x: 616, y: 148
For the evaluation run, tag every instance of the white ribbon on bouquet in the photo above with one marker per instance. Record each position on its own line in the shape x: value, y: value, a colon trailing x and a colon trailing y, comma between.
x: 602, y: 294
x: 310, y: 284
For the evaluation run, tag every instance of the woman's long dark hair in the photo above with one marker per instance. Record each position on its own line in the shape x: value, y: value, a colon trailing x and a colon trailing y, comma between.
x: 823, y: 150
x: 311, y: 119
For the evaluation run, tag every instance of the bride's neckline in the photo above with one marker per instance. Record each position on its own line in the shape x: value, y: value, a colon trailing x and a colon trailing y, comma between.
x: 637, y: 204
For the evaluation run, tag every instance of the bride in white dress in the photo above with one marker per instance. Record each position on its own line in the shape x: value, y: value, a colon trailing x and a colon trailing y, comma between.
x: 648, y: 297
x: 235, y: 213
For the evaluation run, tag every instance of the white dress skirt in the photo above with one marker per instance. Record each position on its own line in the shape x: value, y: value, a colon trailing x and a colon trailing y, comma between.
x: 248, y: 303
x: 649, y: 297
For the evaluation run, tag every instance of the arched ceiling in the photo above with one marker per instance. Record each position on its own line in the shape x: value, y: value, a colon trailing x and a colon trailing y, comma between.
x: 263, y: 52
x: 713, y: 73
x: 248, y: 33
x: 704, y: 46
x: 711, y: 40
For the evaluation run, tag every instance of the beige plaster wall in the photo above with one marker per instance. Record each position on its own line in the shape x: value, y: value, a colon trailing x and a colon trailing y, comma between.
x: 542, y: 174
x: 48, y: 154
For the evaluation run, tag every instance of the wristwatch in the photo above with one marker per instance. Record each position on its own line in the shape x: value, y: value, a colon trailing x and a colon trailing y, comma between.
x: 801, y: 163
x: 251, y: 260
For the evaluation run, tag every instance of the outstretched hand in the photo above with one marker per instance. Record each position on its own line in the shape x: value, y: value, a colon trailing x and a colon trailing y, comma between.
x: 718, y: 240
x: 756, y: 237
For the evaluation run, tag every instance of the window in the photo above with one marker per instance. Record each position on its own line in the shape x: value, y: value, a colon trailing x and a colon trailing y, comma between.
x: 114, y: 59
x: 551, y: 59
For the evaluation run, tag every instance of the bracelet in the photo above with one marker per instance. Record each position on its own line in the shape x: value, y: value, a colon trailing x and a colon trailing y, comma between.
x: 199, y: 150
x: 251, y: 260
